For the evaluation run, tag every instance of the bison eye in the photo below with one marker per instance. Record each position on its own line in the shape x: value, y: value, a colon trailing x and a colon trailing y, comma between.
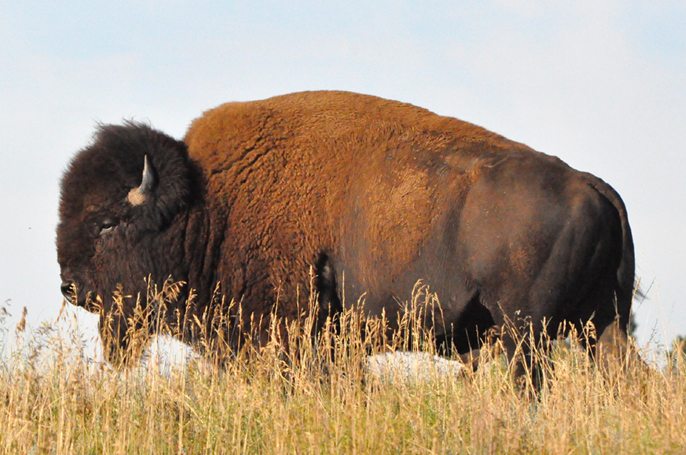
x: 107, y: 226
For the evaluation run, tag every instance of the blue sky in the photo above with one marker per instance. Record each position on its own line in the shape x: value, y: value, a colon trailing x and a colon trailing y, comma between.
x: 598, y: 83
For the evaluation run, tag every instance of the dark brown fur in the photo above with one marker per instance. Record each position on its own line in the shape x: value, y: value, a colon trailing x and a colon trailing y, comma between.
x: 374, y: 194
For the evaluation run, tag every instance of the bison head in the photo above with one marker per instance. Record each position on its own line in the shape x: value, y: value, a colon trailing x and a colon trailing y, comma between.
x: 122, y: 204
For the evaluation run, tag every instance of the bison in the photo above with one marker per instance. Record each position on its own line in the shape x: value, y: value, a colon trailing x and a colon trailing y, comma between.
x: 365, y: 194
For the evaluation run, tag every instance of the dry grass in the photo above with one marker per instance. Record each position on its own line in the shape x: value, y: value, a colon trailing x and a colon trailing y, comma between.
x: 52, y: 400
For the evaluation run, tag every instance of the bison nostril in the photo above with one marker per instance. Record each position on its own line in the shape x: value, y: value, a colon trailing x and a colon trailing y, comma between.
x: 67, y: 289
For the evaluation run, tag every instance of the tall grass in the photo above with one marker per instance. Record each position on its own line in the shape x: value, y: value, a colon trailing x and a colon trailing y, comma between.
x: 323, y: 398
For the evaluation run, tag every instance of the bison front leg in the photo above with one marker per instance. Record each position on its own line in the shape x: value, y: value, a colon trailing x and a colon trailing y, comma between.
x: 113, y: 331
x: 124, y: 336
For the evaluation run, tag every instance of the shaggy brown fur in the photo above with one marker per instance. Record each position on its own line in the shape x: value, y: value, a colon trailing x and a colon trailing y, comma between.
x: 373, y: 194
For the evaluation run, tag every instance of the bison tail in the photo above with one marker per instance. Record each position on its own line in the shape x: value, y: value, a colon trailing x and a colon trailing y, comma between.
x: 625, y: 288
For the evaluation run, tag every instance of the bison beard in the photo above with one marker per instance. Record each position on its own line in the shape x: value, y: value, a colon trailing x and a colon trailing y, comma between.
x: 377, y: 192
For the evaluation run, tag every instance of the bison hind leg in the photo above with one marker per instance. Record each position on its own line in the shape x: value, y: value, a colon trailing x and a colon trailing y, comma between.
x: 609, y: 343
x: 613, y: 342
x: 610, y: 320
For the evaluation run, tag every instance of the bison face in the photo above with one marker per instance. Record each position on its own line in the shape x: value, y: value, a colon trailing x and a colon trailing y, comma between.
x: 122, y: 207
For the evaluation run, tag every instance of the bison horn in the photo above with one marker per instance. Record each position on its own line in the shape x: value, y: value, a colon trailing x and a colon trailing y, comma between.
x: 138, y: 195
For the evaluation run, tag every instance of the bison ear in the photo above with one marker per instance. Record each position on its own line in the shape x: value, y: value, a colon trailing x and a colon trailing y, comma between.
x: 140, y: 194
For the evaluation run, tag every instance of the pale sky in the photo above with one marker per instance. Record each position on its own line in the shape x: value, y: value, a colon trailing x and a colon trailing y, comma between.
x: 598, y: 83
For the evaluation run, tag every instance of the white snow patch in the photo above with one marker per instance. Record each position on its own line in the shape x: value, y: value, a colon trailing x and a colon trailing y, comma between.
x: 412, y: 366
